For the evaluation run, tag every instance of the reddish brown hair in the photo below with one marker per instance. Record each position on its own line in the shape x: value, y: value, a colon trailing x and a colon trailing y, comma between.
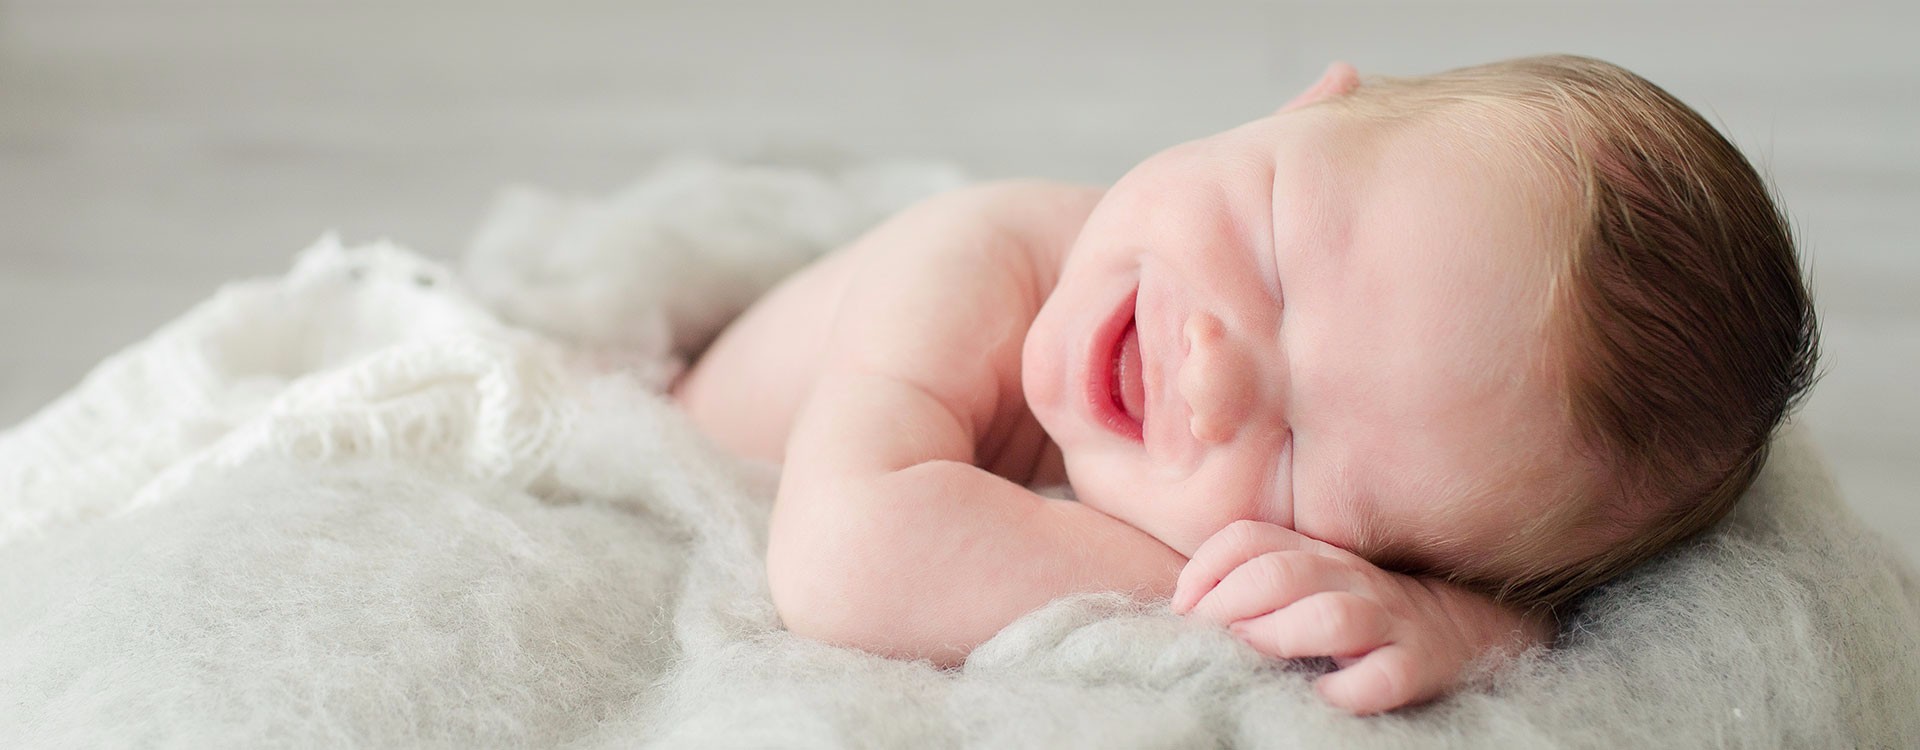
x: 1685, y: 332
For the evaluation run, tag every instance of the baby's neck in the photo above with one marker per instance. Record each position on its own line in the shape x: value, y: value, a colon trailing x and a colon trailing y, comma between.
x: 1051, y: 469
x: 1015, y: 446
x: 1017, y: 449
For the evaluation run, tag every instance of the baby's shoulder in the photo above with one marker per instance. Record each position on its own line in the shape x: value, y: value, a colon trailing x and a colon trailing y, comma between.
x: 942, y: 295
x: 988, y: 252
x: 938, y: 297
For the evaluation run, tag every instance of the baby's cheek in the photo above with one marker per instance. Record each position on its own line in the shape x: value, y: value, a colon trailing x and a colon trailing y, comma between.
x: 1042, y: 373
x: 1211, y: 512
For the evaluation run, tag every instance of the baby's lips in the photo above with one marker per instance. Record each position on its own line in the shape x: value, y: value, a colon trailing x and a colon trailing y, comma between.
x: 1130, y: 377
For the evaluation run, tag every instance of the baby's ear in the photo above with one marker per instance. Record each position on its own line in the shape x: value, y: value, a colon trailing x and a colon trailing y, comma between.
x: 1340, y: 78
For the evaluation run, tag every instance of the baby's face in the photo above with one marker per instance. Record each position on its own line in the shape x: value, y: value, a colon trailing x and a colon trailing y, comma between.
x: 1316, y: 321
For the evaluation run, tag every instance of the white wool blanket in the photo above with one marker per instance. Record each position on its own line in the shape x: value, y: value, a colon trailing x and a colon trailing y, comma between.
x: 378, y: 503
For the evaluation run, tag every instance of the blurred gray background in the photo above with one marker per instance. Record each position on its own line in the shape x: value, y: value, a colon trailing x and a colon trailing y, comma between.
x: 151, y: 149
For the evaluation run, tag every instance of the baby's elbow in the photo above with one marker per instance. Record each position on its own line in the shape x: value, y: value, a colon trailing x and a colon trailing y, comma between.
x: 841, y: 591
x: 819, y: 591
x: 815, y: 598
x: 845, y: 606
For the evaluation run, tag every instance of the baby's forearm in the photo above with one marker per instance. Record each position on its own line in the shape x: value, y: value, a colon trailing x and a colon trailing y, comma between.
x: 933, y: 560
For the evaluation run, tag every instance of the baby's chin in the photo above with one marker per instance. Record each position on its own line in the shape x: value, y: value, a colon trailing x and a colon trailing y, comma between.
x: 1098, y: 494
x: 1135, y: 508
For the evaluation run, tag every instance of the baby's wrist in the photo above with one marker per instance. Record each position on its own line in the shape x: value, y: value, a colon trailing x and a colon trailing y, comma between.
x: 1490, y: 623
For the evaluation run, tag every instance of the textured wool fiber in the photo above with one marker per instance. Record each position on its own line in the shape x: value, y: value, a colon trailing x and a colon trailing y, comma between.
x: 375, y: 503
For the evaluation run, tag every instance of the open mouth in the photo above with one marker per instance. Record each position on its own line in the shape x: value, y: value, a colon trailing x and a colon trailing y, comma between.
x: 1117, y: 392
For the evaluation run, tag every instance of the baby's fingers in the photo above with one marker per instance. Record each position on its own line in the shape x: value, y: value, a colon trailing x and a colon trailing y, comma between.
x: 1339, y: 624
x: 1225, y: 551
x: 1391, y: 677
x: 1267, y: 583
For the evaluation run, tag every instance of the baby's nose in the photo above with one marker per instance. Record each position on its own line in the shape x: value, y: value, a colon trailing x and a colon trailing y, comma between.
x: 1216, y: 379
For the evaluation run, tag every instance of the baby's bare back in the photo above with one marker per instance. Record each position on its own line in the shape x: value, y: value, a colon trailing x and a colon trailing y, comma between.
x: 965, y: 306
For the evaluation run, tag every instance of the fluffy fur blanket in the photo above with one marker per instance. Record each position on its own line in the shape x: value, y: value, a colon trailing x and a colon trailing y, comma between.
x: 378, y: 503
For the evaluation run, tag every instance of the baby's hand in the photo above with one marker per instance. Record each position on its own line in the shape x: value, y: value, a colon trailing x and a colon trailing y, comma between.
x: 1398, y: 640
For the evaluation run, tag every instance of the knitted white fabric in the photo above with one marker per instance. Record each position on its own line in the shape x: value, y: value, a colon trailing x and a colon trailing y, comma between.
x: 370, y: 352
x: 352, y: 507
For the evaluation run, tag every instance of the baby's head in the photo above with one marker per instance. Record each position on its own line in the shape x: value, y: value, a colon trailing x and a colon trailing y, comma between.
x: 1523, y: 325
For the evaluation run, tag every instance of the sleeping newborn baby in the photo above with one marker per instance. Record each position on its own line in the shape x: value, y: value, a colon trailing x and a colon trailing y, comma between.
x: 1387, y: 376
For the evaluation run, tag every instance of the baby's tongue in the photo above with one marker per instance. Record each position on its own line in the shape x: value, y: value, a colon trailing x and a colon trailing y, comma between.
x: 1133, y: 391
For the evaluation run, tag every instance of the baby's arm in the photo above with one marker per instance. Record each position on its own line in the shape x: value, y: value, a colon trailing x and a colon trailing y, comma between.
x: 885, y: 535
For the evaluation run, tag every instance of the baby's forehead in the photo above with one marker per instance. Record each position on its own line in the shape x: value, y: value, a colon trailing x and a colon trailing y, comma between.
x: 1461, y: 218
x: 1492, y: 132
x: 1517, y: 141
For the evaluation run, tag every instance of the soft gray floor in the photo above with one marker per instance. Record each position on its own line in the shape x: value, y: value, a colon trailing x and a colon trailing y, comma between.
x: 150, y: 149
